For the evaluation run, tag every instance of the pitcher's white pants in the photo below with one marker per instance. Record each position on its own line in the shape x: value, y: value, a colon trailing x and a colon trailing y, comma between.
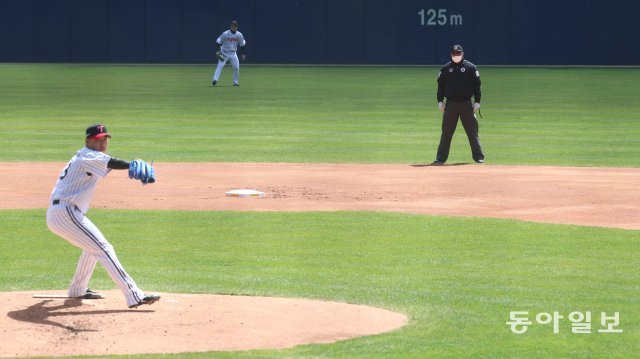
x: 235, y: 63
x: 69, y: 223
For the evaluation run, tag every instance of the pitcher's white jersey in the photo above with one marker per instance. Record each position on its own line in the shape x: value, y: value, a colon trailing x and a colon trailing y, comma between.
x: 78, y: 180
x: 230, y: 42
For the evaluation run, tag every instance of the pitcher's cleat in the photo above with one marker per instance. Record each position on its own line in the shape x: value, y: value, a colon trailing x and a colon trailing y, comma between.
x: 90, y: 295
x: 148, y: 299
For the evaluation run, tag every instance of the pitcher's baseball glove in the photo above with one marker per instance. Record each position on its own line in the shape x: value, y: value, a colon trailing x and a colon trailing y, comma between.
x: 141, y: 170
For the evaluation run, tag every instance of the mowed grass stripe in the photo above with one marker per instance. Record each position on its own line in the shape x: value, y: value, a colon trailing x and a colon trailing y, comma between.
x: 457, y: 278
x: 539, y: 116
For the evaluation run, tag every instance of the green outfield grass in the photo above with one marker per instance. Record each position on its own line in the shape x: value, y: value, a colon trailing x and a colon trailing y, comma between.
x: 538, y: 116
x: 456, y: 278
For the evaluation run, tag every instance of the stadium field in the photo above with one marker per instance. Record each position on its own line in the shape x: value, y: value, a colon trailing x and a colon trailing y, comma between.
x: 456, y: 278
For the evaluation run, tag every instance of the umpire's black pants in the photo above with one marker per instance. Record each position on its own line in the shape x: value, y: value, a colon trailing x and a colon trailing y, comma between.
x: 463, y: 110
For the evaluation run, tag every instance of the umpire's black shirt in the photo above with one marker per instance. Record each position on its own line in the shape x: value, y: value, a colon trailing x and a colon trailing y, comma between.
x: 458, y: 82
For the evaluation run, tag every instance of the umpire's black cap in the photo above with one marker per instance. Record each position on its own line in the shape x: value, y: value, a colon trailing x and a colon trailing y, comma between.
x: 455, y: 49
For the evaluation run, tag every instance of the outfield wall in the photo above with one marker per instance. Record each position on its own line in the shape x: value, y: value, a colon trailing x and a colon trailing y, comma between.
x: 503, y: 32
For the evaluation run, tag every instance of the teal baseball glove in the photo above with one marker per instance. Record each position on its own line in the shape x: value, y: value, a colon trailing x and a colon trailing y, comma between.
x: 143, y: 171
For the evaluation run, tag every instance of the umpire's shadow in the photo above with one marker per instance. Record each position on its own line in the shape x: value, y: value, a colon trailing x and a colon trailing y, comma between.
x: 41, y: 314
x: 439, y: 164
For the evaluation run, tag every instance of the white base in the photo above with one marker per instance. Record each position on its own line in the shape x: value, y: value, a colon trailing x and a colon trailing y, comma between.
x: 244, y: 193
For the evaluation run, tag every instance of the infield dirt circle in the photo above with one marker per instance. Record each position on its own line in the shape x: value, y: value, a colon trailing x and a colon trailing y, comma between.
x: 606, y: 197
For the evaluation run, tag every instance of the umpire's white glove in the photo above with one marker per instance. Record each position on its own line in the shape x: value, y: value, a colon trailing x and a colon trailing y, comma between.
x: 441, y: 106
x: 476, y: 106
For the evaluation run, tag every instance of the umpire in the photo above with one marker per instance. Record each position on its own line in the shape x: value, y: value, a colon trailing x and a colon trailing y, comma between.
x: 458, y: 81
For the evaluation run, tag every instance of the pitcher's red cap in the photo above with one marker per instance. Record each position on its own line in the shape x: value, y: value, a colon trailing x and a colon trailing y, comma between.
x: 97, y: 131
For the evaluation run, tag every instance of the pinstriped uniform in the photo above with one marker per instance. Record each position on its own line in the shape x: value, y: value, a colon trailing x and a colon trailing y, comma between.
x: 73, y: 192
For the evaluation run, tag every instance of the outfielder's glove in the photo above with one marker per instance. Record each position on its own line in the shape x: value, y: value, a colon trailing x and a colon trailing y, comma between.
x: 141, y: 170
x: 220, y: 56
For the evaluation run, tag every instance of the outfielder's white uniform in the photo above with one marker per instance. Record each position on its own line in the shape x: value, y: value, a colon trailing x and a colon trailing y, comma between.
x: 66, y: 217
x: 229, y: 45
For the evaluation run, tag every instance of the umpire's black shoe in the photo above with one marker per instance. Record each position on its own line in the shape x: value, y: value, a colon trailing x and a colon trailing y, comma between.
x: 89, y: 294
x: 148, y: 299
x: 214, y: 82
x: 438, y: 163
x: 479, y: 161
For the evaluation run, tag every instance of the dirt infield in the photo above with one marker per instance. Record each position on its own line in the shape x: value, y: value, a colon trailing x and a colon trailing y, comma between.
x: 179, y: 323
x: 606, y: 197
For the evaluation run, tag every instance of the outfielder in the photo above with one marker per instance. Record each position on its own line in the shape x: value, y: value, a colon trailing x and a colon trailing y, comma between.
x: 228, y: 44
x: 69, y: 203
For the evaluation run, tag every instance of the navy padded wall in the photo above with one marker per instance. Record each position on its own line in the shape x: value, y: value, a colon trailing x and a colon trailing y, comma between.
x: 604, y: 32
x: 629, y: 44
x: 345, y: 31
x: 491, y: 38
x: 90, y: 31
x: 503, y: 32
x: 126, y: 30
x: 163, y: 31
x: 309, y: 31
x: 419, y: 43
x: 52, y: 23
x: 17, y: 31
x: 199, y: 30
x: 382, y: 36
x: 272, y: 39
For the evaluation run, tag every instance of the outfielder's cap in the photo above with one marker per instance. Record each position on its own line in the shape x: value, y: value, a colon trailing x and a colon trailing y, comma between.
x: 234, y: 23
x: 97, y: 131
x: 456, y: 49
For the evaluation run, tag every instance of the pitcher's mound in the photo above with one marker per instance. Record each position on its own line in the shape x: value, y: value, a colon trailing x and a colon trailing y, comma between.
x: 178, y: 323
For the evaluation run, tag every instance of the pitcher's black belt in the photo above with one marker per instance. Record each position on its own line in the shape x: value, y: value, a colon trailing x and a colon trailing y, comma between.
x: 57, y: 202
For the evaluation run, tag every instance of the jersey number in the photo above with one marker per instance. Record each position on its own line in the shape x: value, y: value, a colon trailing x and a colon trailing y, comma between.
x: 66, y: 170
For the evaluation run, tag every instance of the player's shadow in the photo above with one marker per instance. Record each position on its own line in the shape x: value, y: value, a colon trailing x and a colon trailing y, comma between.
x: 41, y: 314
x: 439, y: 165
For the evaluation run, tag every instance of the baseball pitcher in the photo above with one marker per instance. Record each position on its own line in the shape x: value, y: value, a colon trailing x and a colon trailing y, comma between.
x: 66, y: 215
x: 228, y: 44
